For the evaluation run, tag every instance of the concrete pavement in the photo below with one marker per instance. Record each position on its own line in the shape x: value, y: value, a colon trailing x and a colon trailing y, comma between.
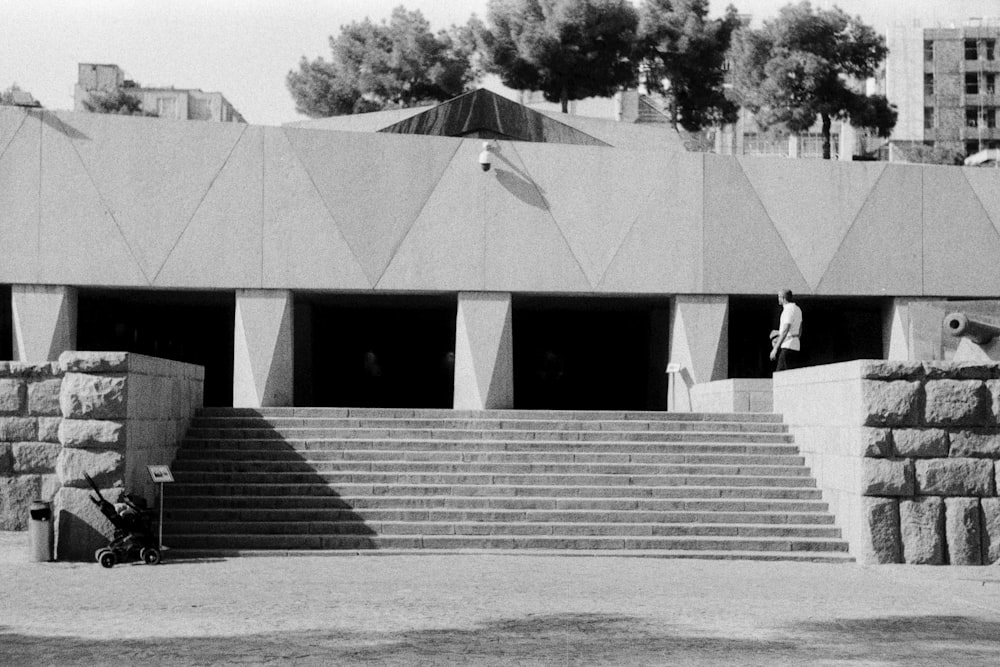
x: 493, y: 610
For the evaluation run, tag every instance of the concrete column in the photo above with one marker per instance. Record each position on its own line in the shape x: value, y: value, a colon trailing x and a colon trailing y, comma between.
x: 263, y: 359
x: 484, y: 352
x: 44, y: 319
x: 912, y: 330
x: 699, y: 345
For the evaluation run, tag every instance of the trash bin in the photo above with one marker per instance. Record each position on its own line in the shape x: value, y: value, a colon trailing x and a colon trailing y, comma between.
x: 40, y: 531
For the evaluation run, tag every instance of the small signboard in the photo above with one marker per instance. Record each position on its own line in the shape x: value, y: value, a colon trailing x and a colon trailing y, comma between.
x: 160, y: 474
x: 673, y: 368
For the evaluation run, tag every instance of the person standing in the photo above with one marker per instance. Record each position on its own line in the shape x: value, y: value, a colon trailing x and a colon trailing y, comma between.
x: 785, y: 340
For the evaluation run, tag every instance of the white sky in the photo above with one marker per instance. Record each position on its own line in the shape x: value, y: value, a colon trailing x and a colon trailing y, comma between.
x: 244, y: 48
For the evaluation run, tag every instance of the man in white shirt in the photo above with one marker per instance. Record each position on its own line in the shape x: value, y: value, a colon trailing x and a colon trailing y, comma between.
x: 785, y: 339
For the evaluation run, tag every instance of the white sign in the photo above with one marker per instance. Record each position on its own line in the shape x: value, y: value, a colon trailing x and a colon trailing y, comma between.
x: 673, y: 368
x: 160, y: 474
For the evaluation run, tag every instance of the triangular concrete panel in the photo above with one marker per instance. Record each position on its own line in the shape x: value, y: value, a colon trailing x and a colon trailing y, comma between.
x: 986, y: 184
x: 152, y: 173
x: 812, y: 204
x: 19, y: 202
x: 445, y: 247
x: 11, y: 120
x: 663, y: 249
x: 221, y: 246
x: 525, y: 249
x: 883, y: 251
x: 263, y: 350
x: 594, y: 219
x: 370, y: 187
x: 303, y: 247
x: 699, y: 327
x: 744, y: 253
x: 79, y: 239
x: 484, y: 371
x: 961, y: 245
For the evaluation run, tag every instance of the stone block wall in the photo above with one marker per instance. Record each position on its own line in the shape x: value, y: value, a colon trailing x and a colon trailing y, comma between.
x: 104, y: 414
x: 907, y: 454
x: 29, y: 438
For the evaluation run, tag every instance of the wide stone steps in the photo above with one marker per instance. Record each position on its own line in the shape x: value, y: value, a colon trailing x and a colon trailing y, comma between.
x: 307, y: 447
x: 827, y: 548
x: 330, y: 480
x: 285, y: 515
x: 694, y: 500
x: 348, y: 467
x: 495, y: 425
x: 202, y: 456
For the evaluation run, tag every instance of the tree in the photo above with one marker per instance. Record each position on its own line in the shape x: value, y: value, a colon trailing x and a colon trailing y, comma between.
x: 567, y: 49
x: 395, y: 63
x: 800, y: 66
x: 682, y: 57
x: 118, y: 101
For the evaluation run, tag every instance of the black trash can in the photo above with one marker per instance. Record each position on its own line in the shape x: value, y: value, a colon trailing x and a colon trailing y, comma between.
x: 40, y: 532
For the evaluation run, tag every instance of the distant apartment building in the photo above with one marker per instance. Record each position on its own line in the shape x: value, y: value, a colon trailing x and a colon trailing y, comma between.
x: 167, y: 102
x: 943, y: 81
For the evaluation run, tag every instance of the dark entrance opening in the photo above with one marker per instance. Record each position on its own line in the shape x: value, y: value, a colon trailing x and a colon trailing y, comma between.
x: 590, y: 353
x: 193, y: 327
x: 393, y: 351
x: 6, y: 324
x: 834, y: 329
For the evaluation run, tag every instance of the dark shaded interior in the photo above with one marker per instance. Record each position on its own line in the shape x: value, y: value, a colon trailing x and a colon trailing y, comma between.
x: 590, y: 353
x: 375, y: 351
x: 833, y: 330
x: 193, y: 327
x: 6, y: 324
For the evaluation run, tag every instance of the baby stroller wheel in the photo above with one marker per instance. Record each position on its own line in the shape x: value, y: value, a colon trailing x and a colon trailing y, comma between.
x: 150, y: 555
x: 106, y: 557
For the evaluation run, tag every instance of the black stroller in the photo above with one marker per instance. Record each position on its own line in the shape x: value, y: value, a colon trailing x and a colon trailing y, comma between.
x: 134, y: 535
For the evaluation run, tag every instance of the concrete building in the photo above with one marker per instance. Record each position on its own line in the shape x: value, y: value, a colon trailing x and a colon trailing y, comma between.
x: 331, y: 264
x: 168, y: 102
x: 943, y: 80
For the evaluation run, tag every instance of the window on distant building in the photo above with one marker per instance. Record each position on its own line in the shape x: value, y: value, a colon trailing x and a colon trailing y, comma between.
x: 971, y: 84
x: 991, y: 118
x: 991, y: 84
x: 991, y: 45
x: 928, y: 51
x: 928, y: 84
x: 928, y: 118
x: 971, y: 50
x: 972, y: 117
x: 166, y: 107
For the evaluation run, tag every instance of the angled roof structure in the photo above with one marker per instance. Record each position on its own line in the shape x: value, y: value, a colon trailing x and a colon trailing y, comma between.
x: 484, y: 114
x: 102, y: 200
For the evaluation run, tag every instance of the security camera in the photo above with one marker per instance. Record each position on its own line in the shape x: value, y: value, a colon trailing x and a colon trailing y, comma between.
x: 485, y: 159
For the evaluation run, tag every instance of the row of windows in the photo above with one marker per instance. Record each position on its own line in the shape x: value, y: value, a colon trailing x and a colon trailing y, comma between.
x: 975, y: 83
x: 975, y: 117
x: 975, y: 49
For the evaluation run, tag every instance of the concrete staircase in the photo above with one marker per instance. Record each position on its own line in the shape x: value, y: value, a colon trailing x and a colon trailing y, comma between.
x: 432, y: 481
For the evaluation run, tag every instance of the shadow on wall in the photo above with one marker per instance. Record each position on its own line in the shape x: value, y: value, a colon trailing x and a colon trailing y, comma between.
x: 252, y: 488
x: 555, y: 639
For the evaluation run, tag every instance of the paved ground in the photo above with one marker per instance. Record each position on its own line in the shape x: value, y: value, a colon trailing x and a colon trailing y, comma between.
x: 493, y: 610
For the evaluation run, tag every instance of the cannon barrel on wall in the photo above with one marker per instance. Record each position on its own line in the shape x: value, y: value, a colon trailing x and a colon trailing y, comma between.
x: 960, y: 324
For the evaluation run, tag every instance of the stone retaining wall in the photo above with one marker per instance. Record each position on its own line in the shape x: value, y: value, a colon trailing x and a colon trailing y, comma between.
x: 907, y: 455
x: 106, y: 414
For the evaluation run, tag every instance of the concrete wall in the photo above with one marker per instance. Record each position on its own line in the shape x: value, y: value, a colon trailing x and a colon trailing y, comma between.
x: 101, y: 200
x: 906, y: 454
x: 736, y: 395
x: 106, y: 414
